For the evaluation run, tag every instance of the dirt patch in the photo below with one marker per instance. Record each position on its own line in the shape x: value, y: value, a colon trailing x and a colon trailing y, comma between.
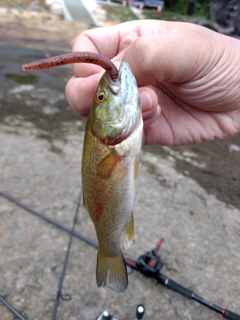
x: 214, y: 165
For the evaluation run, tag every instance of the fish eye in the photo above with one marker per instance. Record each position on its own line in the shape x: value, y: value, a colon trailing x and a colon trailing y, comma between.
x: 100, y: 97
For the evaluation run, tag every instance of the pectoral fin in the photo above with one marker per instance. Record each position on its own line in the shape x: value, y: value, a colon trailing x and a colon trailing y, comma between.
x: 106, y: 167
x: 128, y: 233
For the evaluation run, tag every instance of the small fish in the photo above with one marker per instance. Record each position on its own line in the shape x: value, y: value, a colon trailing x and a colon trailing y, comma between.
x: 112, y: 146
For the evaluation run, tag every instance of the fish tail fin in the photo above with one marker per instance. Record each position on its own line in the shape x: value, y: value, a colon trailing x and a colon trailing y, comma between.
x: 112, y: 272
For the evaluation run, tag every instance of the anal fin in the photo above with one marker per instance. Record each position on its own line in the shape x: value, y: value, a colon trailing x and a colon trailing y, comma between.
x: 128, y: 233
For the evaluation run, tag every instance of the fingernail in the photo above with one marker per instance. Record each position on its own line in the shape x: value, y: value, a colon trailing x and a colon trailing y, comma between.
x: 158, y: 111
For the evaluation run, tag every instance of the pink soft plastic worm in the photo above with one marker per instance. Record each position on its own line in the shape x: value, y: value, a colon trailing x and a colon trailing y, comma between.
x: 75, y: 57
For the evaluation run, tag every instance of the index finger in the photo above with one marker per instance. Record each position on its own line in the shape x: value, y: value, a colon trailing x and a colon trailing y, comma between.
x: 101, y: 40
x: 110, y: 41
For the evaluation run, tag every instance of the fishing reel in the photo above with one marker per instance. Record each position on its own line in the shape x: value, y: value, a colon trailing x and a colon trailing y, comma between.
x: 149, y: 264
x: 140, y: 310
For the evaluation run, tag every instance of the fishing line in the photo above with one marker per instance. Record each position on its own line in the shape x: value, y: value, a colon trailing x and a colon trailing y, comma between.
x: 59, y: 292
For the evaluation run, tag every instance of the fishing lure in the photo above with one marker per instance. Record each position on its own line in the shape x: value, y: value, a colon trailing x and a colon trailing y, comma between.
x: 74, y: 57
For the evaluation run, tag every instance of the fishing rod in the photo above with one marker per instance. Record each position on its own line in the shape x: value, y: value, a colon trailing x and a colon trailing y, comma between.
x: 47, y: 219
x: 59, y: 292
x: 12, y: 309
x: 149, y: 264
x: 72, y: 233
x: 140, y: 310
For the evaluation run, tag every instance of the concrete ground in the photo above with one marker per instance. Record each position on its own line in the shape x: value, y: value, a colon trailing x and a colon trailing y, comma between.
x: 190, y: 196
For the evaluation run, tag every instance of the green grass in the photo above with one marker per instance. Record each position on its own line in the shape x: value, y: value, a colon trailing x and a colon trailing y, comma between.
x: 201, y: 8
x: 122, y: 14
x: 164, y: 15
x: 23, y: 79
x: 119, y: 13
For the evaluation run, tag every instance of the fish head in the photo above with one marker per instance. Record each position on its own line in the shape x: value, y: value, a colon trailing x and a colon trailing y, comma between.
x: 116, y: 107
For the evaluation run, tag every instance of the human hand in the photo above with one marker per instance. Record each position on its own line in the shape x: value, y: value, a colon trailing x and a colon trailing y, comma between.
x: 188, y: 77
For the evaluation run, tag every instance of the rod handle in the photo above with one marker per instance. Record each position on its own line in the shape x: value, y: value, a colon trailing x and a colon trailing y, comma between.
x: 174, y: 286
x: 230, y: 315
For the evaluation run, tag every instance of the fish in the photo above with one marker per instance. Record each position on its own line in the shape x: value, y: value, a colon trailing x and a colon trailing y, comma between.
x: 110, y: 161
